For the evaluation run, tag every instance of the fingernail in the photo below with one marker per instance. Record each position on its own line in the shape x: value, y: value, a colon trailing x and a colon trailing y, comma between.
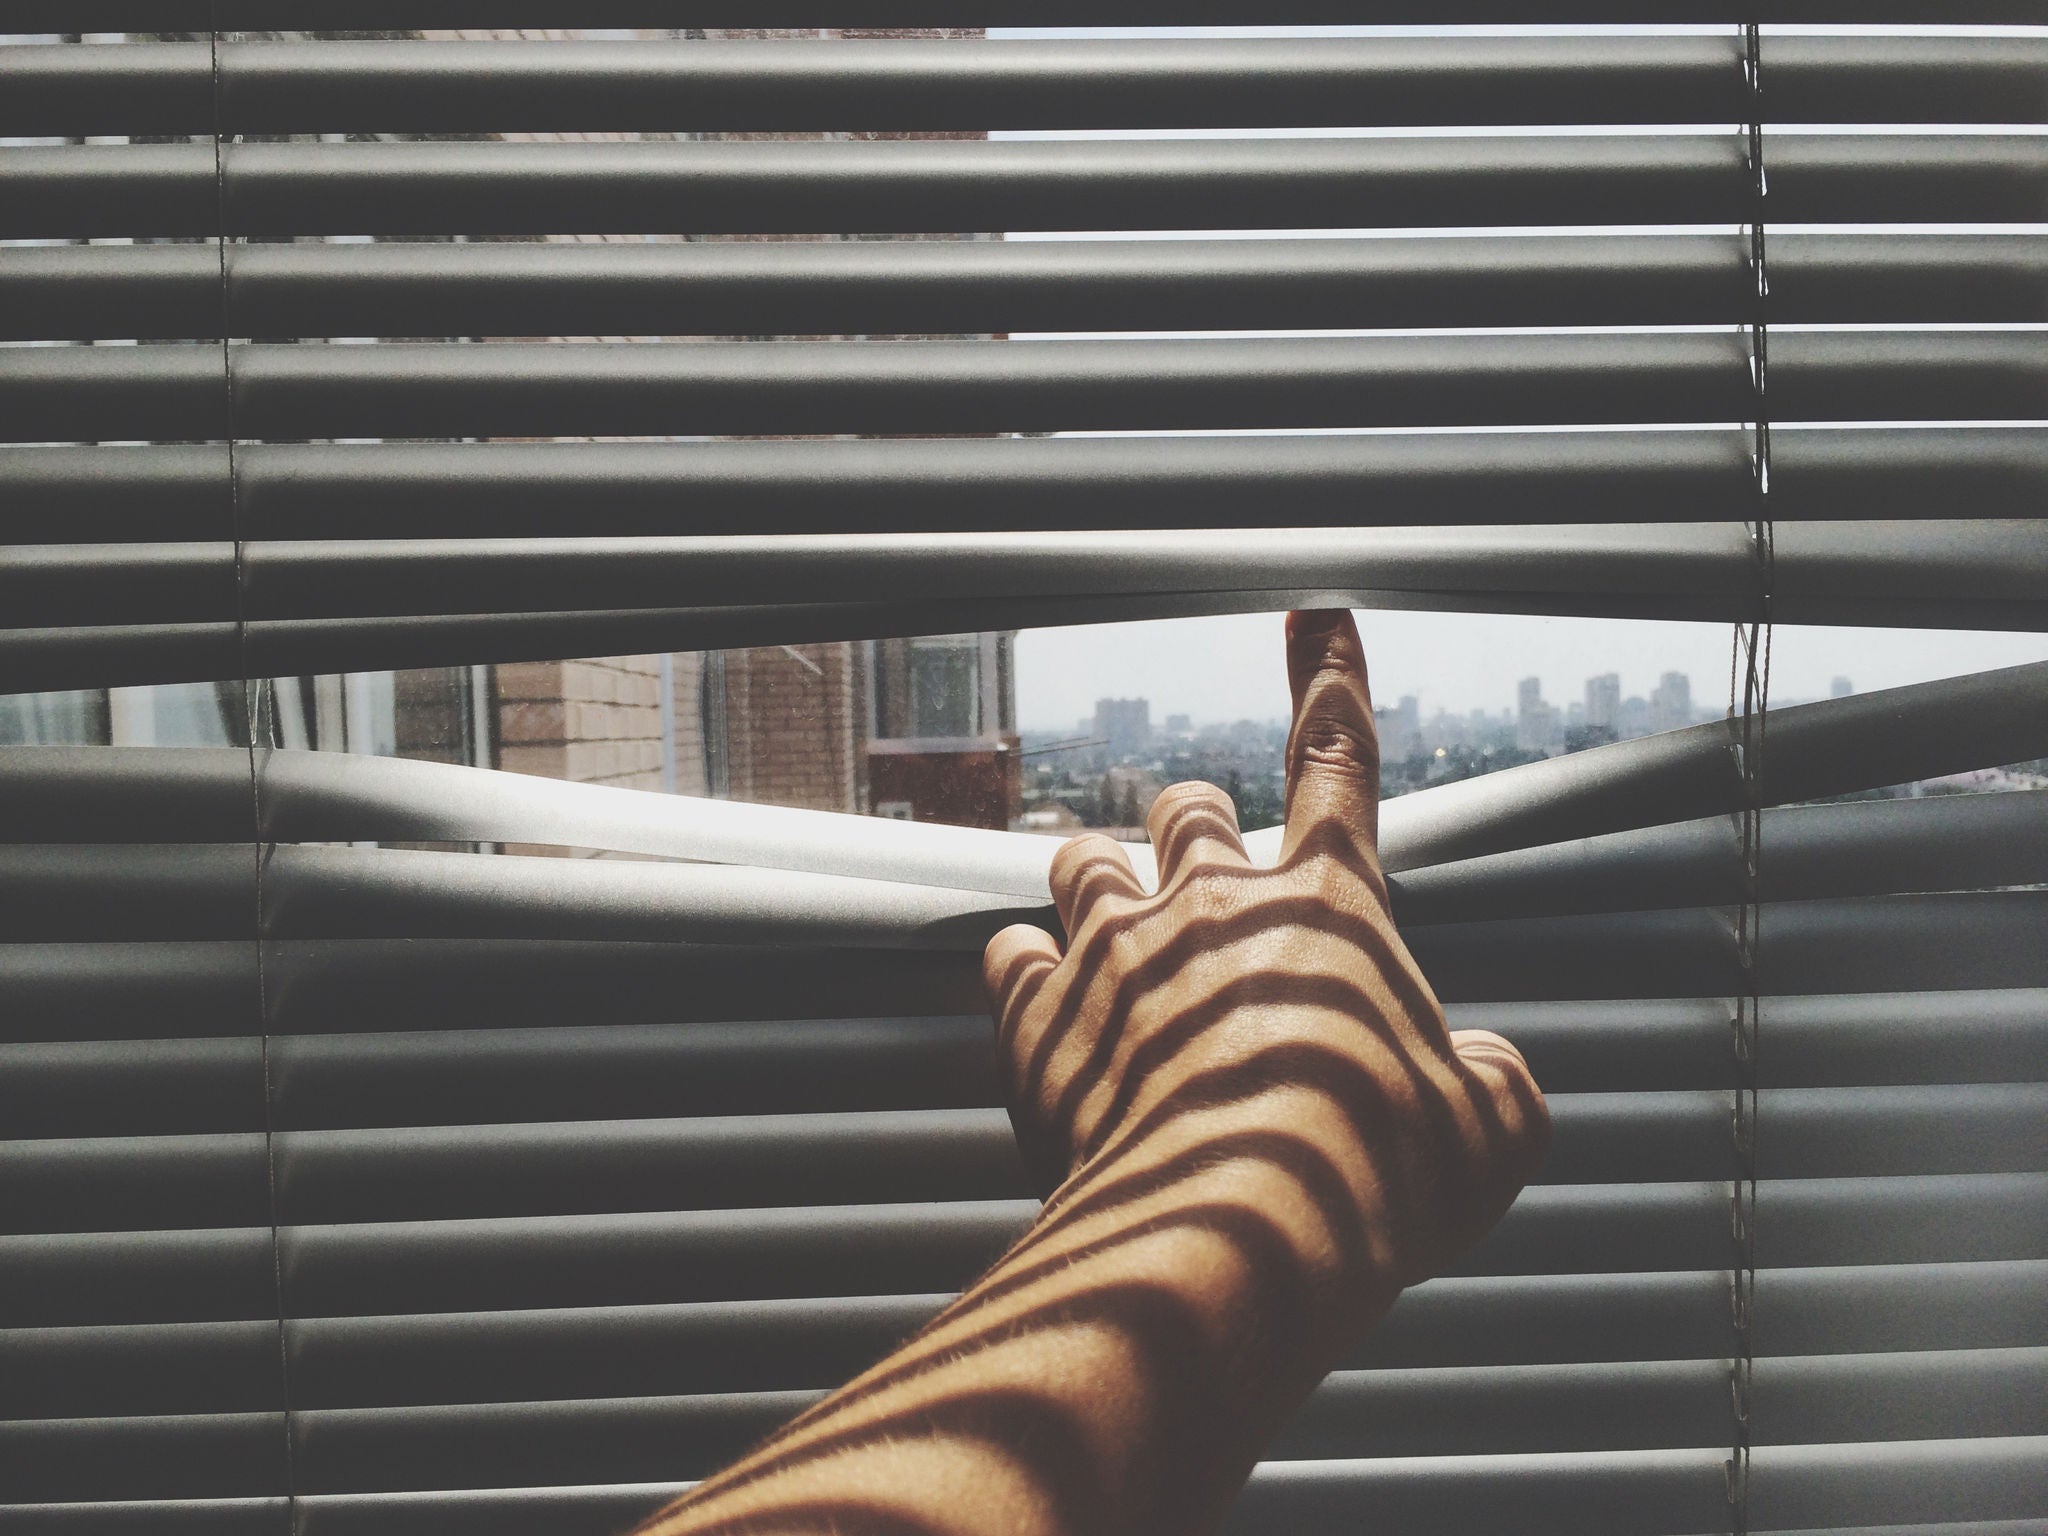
x: 1317, y: 621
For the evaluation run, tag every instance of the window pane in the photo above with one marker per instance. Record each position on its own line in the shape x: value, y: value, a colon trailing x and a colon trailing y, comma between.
x: 77, y: 718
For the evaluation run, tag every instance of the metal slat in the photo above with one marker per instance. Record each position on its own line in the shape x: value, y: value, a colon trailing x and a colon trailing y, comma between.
x: 1443, y: 1412
x: 129, y: 991
x: 928, y: 287
x: 947, y: 186
x: 590, y: 1441
x: 133, y: 1183
x: 454, y: 490
x: 158, y: 1517
x: 161, y: 891
x: 131, y: 1087
x: 321, y: 986
x: 623, y: 1351
x: 740, y: 389
x: 163, y: 1456
x: 1565, y: 568
x: 642, y: 1072
x: 78, y: 1279
x: 189, y: 15
x: 1659, y: 1493
x: 594, y: 1070
x: 1893, y: 943
x: 433, y: 1172
x: 797, y: 86
x: 714, y: 1347
x: 1905, y: 1395
x: 1961, y: 842
x: 1817, y: 944
x: 161, y: 495
x: 1872, y: 1308
x: 155, y: 495
x: 321, y: 893
x: 599, y: 1071
x: 96, y: 1372
x: 1887, y: 1482
x: 1655, y: 1493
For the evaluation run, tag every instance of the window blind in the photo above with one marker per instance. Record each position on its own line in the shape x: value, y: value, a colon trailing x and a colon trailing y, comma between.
x: 349, y: 1187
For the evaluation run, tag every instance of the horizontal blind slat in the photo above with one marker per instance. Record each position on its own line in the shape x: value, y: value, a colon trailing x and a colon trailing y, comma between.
x: 1891, y: 1481
x: 285, y: 492
x: 101, y: 891
x: 789, y: 1160
x: 924, y: 287
x: 596, y: 1070
x: 141, y: 15
x: 949, y: 186
x: 1905, y: 1395
x: 568, y: 389
x: 130, y: 1087
x: 898, y: 85
x: 103, y: 1371
x: 1979, y: 578
x: 709, y: 1347
x: 1962, y: 842
x: 158, y: 1517
x: 1566, y: 567
x: 164, y: 1456
x: 596, y: 1260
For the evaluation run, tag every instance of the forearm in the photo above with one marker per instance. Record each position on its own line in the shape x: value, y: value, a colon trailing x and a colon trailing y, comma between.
x: 1120, y: 1368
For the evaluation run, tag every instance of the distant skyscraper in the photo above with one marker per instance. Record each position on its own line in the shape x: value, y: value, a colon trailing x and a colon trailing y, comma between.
x: 1840, y: 688
x: 1125, y: 725
x: 1671, y: 704
x: 1179, y: 725
x: 1539, y: 727
x: 1603, y: 701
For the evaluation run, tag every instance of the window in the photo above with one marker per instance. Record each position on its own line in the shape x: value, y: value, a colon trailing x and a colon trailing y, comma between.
x: 441, y: 1057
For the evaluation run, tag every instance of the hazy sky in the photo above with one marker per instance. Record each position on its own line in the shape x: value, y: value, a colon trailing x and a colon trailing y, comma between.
x: 1230, y: 668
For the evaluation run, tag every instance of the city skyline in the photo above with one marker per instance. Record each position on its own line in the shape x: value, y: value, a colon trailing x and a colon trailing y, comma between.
x: 1218, y: 670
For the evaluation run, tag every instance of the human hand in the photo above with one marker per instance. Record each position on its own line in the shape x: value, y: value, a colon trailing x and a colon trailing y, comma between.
x: 1265, y: 1018
x: 1259, y: 1129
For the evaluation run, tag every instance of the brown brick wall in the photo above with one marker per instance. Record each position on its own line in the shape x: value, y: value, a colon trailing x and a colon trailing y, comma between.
x: 589, y: 722
x: 795, y: 722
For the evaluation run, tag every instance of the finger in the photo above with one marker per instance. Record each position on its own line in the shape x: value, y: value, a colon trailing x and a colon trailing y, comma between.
x: 1090, y: 873
x: 1012, y: 968
x: 1193, y: 825
x: 1333, y: 754
x: 1505, y: 1073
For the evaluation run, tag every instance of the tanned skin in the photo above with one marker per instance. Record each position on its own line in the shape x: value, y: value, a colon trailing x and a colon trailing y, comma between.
x: 1255, y: 1129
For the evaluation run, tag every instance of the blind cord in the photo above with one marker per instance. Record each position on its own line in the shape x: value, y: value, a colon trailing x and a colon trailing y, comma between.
x: 1750, y: 661
x: 255, y: 717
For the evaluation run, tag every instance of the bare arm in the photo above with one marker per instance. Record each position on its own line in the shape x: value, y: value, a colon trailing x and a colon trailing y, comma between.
x: 1257, y: 1129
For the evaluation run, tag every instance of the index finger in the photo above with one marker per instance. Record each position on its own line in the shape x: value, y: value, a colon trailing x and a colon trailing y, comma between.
x: 1333, y: 753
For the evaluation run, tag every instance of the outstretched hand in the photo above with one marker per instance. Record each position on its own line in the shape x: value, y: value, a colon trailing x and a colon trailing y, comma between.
x: 1269, y: 1013
x: 1255, y: 1129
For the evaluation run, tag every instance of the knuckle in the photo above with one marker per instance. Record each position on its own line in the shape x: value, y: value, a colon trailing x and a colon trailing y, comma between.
x: 1337, y: 745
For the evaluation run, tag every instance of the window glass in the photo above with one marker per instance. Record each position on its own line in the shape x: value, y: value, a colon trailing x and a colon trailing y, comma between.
x: 944, y: 686
x: 75, y: 718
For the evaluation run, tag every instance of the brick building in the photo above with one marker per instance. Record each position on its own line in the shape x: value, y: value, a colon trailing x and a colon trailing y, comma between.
x: 811, y: 725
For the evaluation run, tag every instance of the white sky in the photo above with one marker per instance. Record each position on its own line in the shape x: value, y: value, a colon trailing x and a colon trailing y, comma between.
x: 1221, y: 669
